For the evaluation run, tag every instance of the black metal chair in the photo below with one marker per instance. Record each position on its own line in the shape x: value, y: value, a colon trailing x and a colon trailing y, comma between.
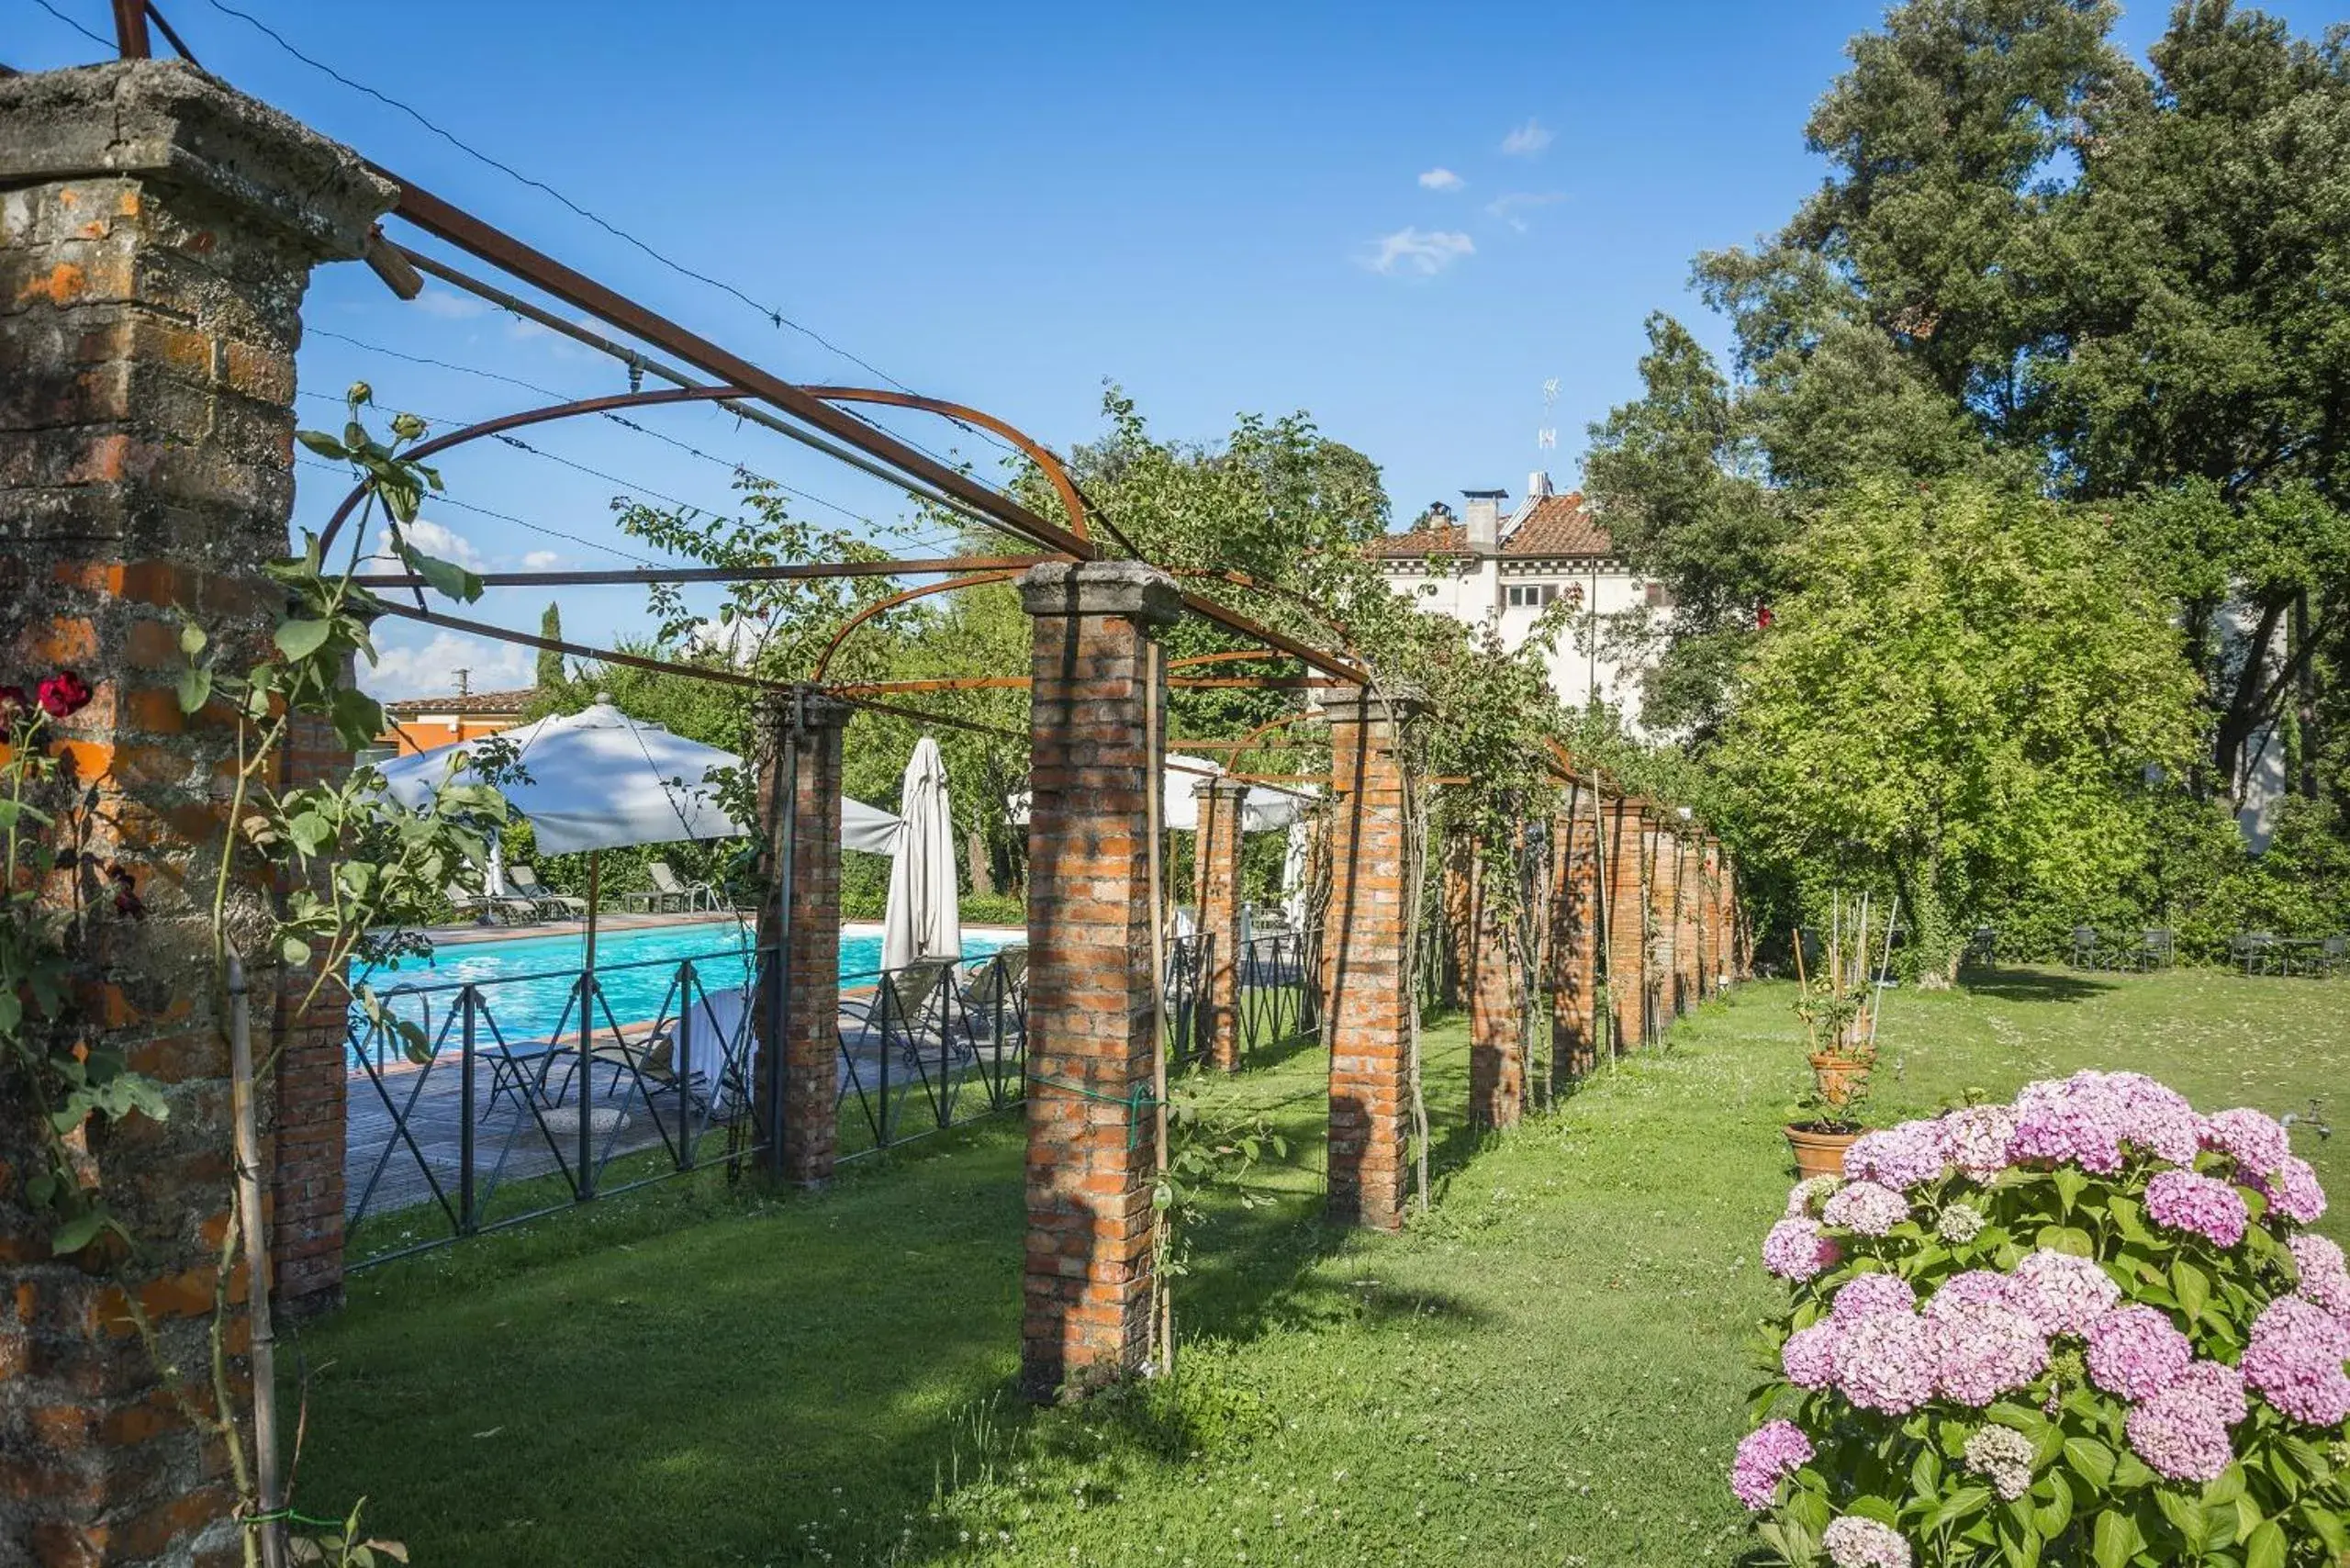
x: 2157, y: 950
x: 2253, y: 950
x: 2331, y: 955
x: 2085, y: 953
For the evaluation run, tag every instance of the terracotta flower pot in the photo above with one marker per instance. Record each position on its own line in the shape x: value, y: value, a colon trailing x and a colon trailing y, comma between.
x: 1819, y: 1152
x: 1838, y: 1078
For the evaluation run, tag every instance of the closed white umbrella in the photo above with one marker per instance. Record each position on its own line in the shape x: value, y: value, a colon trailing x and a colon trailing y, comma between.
x: 1293, y: 865
x: 923, y: 918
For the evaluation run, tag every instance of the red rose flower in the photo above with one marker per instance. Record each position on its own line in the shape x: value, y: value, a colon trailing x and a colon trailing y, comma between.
x: 64, y: 693
x: 126, y: 901
x: 1762, y: 618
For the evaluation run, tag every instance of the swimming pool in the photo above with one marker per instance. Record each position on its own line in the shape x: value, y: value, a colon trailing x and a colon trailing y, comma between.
x: 529, y: 984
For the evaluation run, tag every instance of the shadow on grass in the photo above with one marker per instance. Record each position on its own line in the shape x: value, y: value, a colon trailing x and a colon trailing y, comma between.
x: 695, y: 1373
x: 2034, y: 985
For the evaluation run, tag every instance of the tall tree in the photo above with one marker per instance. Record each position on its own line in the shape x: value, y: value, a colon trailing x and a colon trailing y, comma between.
x: 2032, y: 258
x: 1965, y: 697
x: 549, y: 670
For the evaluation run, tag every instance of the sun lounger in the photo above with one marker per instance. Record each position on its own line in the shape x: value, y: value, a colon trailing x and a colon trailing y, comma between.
x: 669, y: 893
x: 525, y: 882
x: 489, y: 906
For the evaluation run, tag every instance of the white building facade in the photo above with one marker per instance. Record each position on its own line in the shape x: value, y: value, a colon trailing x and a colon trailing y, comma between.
x: 1502, y: 567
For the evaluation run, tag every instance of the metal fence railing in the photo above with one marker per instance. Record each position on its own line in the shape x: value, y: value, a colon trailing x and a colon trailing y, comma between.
x: 475, y: 1104
x: 1184, y: 997
x: 1278, y: 993
x: 931, y: 1045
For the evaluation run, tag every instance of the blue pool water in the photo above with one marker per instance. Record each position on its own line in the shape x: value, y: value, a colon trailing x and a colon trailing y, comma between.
x: 528, y: 985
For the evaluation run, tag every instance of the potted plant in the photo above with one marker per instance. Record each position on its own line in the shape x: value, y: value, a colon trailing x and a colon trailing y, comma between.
x: 1840, y: 1039
x: 1837, y: 1036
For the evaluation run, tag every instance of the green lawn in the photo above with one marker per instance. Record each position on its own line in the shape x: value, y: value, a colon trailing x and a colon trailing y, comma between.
x: 1547, y: 1369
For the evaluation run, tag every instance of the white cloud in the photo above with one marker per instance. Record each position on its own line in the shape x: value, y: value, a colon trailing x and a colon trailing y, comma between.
x: 1511, y: 209
x: 1417, y: 252
x: 449, y: 304
x: 1526, y: 140
x: 1442, y: 180
x: 433, y: 539
x: 431, y: 670
x: 541, y: 561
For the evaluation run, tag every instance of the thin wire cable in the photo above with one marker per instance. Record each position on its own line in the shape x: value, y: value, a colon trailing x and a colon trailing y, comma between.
x: 775, y: 316
x: 439, y: 500
x: 732, y: 466
x: 105, y: 43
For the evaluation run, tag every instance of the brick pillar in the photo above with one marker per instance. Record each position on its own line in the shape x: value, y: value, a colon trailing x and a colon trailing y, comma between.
x: 1737, y: 942
x: 1664, y: 922
x: 157, y: 234
x: 799, y: 749
x: 1091, y: 1003
x: 1497, y: 996
x: 1710, y: 926
x: 1458, y: 899
x: 1687, y: 890
x: 1627, y: 922
x: 1575, y: 938
x: 1367, y: 961
x: 1215, y: 849
x: 306, y: 1145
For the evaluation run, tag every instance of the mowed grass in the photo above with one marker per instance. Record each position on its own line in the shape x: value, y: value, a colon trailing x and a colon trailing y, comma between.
x: 1548, y: 1368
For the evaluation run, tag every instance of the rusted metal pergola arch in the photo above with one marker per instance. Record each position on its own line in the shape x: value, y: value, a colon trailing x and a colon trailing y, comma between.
x: 521, y: 419
x: 907, y: 596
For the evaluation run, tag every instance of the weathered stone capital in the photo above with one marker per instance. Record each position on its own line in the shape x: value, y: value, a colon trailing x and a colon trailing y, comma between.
x: 167, y: 122
x: 1360, y: 705
x: 804, y: 707
x: 1219, y: 789
x: 1131, y: 589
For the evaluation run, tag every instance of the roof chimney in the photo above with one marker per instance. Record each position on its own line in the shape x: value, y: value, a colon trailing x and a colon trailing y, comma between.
x: 1537, y: 485
x: 1483, y: 518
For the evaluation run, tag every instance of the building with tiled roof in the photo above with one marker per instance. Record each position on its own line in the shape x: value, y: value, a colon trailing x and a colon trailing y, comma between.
x: 1502, y: 567
x: 419, y: 723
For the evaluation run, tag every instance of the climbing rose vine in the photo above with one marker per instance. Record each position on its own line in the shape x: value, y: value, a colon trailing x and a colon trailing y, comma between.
x: 2084, y: 1328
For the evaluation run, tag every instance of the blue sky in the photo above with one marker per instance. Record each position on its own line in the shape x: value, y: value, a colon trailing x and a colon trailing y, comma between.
x: 1224, y: 208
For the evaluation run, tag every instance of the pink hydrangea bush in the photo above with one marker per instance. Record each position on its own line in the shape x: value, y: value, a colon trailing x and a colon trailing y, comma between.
x: 2088, y: 1327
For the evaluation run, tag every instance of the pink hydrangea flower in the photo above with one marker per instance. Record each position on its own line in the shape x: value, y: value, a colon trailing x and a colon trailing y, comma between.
x: 1976, y: 1287
x: 1797, y: 1248
x: 2214, y: 1389
x: 1770, y: 1453
x: 2155, y: 1117
x: 1884, y: 1360
x: 1871, y: 1208
x: 2061, y: 1293
x: 2177, y: 1441
x: 1809, y: 1358
x: 2293, y: 1191
x: 2198, y: 1204
x: 1864, y: 1293
x: 2255, y: 1140
x: 2071, y: 1120
x: 2295, y: 1360
x: 1908, y: 1154
x: 1983, y: 1350
x: 2136, y: 1352
x: 1853, y: 1541
x: 1977, y: 1139
x: 2324, y: 1274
